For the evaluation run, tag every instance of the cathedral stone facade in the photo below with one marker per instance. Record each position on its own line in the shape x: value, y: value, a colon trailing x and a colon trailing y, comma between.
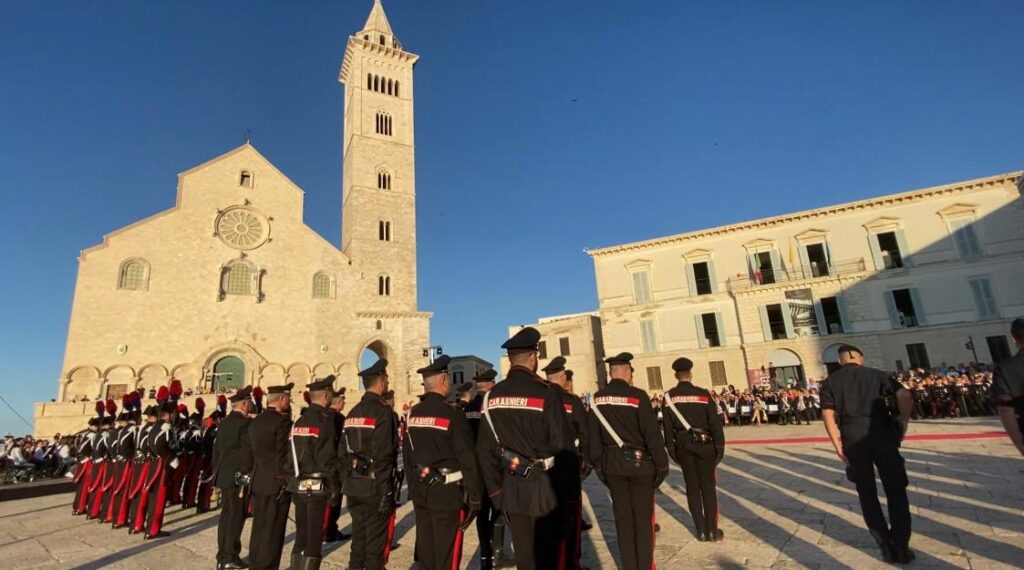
x: 230, y: 287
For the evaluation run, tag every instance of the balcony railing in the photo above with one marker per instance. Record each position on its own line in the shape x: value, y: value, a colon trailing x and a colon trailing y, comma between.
x: 794, y: 274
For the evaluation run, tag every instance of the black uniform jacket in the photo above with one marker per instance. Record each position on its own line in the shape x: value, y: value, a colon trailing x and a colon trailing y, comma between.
x: 125, y: 446
x: 576, y: 413
x: 473, y: 410
x: 101, y: 449
x: 231, y: 451
x: 439, y: 438
x: 315, y: 446
x: 158, y: 440
x: 1008, y: 383
x: 271, y: 454
x: 529, y: 418
x: 629, y: 412
x: 370, y: 434
x: 858, y: 395
x: 142, y: 440
x: 699, y: 410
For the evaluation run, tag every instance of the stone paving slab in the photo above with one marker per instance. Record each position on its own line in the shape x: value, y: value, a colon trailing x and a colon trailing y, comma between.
x: 783, y: 506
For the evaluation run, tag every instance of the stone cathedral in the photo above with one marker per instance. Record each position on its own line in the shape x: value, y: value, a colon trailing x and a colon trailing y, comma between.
x: 230, y: 287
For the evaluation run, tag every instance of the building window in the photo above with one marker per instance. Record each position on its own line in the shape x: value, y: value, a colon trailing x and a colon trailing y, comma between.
x: 764, y: 268
x: 134, y: 275
x: 776, y: 319
x: 457, y: 377
x: 709, y: 330
x: 384, y: 286
x: 396, y: 88
x: 817, y: 259
x: 717, y: 370
x: 563, y: 345
x: 369, y: 81
x: 322, y: 286
x: 642, y: 286
x: 889, y: 247
x: 964, y: 237
x: 542, y: 350
x: 384, y: 231
x: 702, y: 278
x: 984, y: 300
x: 383, y: 180
x: 998, y: 348
x: 383, y: 126
x: 917, y: 355
x: 831, y: 314
x: 654, y: 378
x: 239, y: 279
x: 648, y: 338
x: 904, y: 309
x: 382, y: 39
x: 245, y: 179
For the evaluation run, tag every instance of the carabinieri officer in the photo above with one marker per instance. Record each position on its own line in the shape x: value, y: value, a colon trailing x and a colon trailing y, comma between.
x: 523, y: 433
x: 444, y: 480
x: 628, y: 453
x: 696, y: 441
x: 370, y: 449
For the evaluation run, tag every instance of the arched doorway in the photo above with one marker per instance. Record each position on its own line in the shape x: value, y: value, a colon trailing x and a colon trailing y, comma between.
x: 228, y: 374
x: 369, y: 354
x: 830, y: 358
x: 785, y: 369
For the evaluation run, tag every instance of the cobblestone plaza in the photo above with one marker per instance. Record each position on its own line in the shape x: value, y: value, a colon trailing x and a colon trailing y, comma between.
x: 783, y: 505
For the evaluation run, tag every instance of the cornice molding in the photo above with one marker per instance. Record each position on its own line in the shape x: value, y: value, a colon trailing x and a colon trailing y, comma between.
x: 394, y: 314
x: 1014, y: 179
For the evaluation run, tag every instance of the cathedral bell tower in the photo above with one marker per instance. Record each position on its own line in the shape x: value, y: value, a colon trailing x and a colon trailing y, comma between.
x: 378, y: 212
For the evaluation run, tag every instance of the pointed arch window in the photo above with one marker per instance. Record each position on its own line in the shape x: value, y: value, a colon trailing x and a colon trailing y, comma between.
x: 323, y: 286
x: 384, y: 286
x: 383, y: 179
x: 133, y: 275
x: 376, y: 83
x: 369, y: 81
x: 396, y: 88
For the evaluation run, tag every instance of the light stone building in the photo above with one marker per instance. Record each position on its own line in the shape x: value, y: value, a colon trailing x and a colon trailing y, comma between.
x: 914, y: 279
x: 230, y: 287
x: 578, y: 339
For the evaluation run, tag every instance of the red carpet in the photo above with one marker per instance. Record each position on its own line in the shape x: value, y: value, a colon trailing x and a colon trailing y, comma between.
x: 923, y: 437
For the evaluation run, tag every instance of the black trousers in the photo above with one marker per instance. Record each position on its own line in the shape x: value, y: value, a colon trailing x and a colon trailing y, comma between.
x: 535, y: 540
x: 865, y: 452
x: 229, y: 527
x: 310, y: 511
x: 371, y: 533
x: 701, y: 495
x: 633, y: 506
x: 332, y: 518
x: 438, y: 540
x: 485, y: 521
x: 270, y: 516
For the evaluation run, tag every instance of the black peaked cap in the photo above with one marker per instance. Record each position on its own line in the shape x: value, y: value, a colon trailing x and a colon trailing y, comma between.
x: 682, y: 364
x: 620, y: 358
x: 556, y: 365
x: 440, y: 364
x: 525, y: 339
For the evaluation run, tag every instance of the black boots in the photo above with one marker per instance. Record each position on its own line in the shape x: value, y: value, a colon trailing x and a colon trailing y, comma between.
x: 309, y: 563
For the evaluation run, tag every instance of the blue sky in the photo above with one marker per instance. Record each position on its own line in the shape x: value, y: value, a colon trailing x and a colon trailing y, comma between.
x: 539, y: 125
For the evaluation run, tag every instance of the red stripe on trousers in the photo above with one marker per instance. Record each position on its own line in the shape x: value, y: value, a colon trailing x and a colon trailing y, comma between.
x: 118, y: 487
x: 391, y: 535
x: 122, y: 507
x: 161, y: 500
x: 85, y: 480
x: 97, y: 491
x: 327, y: 520
x: 457, y: 547
x: 654, y: 535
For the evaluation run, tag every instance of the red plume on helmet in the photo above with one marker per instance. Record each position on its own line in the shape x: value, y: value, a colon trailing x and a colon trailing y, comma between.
x: 111, y: 407
x: 126, y: 402
x: 134, y: 398
x: 182, y: 409
x: 175, y: 390
x: 162, y: 394
x: 257, y: 398
x: 305, y: 396
x: 100, y: 408
x: 200, y: 406
x: 222, y: 403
